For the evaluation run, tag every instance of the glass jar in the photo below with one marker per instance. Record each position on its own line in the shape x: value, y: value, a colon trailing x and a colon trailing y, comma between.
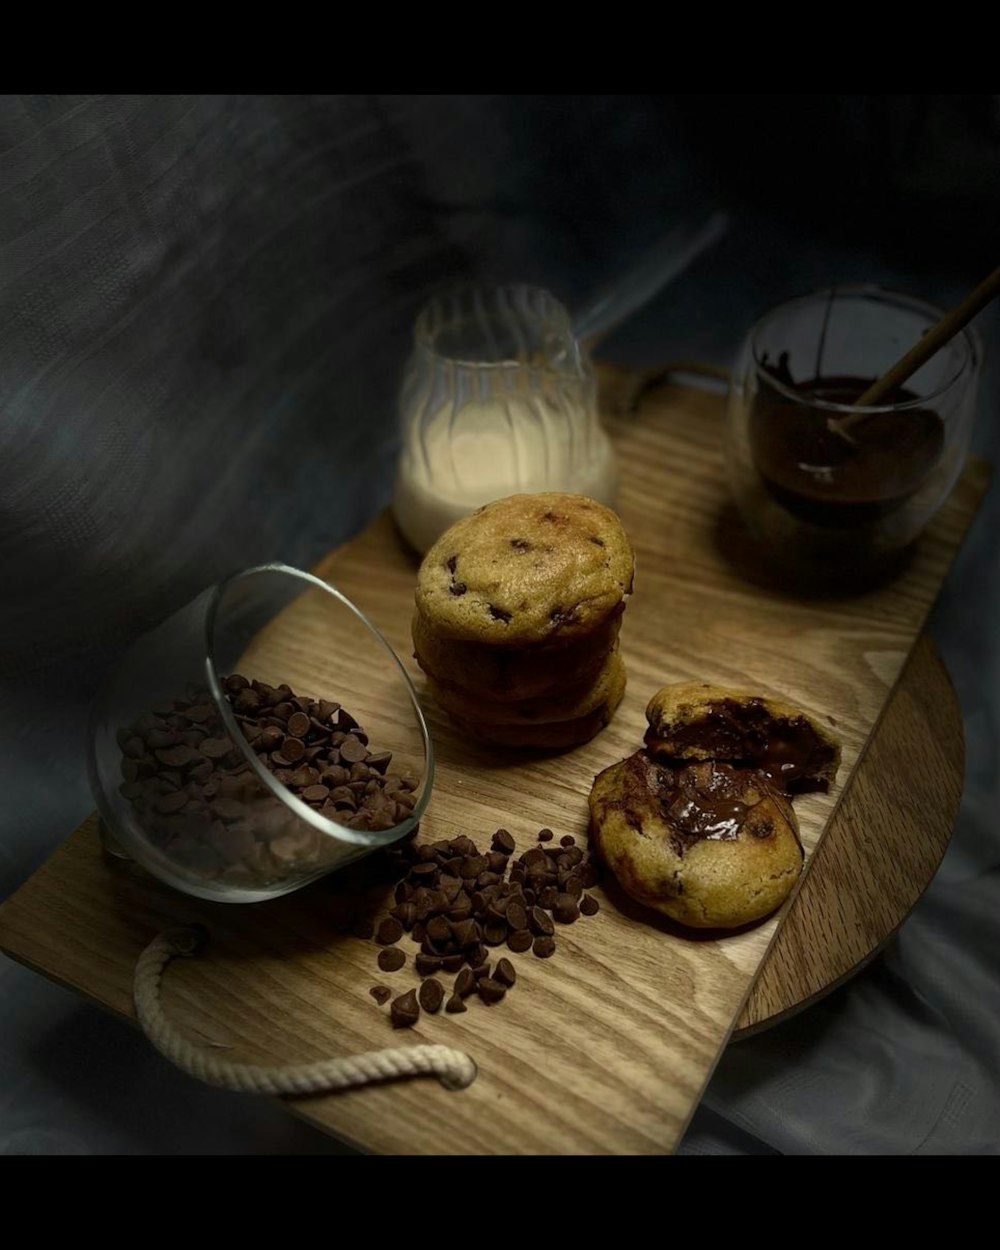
x: 498, y: 398
x: 821, y: 490
x: 229, y: 751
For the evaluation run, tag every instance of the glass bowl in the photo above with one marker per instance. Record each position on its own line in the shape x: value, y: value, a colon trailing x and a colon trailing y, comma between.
x: 263, y: 736
x: 813, y: 495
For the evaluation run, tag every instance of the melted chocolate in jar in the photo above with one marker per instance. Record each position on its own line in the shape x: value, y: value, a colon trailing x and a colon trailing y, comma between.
x: 826, y: 480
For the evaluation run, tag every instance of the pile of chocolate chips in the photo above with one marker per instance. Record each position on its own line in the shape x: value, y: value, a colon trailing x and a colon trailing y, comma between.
x: 320, y: 752
x: 458, y: 903
x: 199, y: 800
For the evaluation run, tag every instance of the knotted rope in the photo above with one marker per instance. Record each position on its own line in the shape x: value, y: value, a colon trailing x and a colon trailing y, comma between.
x: 454, y: 1068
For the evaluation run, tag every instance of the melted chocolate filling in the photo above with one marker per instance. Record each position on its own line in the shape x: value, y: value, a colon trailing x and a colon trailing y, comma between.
x: 787, y: 752
x: 701, y: 801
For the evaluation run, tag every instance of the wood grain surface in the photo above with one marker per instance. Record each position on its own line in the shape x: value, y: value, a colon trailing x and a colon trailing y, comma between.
x: 605, y: 1048
x: 880, y: 850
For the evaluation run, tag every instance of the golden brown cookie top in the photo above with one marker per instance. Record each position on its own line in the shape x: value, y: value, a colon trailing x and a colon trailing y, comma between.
x: 527, y: 569
x: 700, y: 721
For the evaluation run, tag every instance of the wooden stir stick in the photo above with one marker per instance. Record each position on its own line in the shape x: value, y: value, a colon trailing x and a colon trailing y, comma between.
x: 932, y: 341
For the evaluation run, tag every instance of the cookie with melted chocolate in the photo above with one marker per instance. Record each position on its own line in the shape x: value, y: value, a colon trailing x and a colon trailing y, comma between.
x: 706, y: 843
x: 699, y: 721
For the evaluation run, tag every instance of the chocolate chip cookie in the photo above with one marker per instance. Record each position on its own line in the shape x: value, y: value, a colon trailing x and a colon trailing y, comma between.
x: 570, y: 702
x: 706, y: 843
x: 527, y: 570
x: 699, y: 721
x: 545, y: 735
x: 512, y: 674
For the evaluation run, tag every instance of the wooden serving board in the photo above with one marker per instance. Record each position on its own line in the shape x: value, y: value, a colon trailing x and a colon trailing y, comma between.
x: 606, y: 1047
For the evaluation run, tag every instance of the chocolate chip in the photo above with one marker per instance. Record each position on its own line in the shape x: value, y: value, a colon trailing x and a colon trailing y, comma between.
x: 406, y: 914
x: 431, y: 995
x: 504, y: 972
x: 391, y: 959
x: 589, y: 906
x: 405, y: 1010
x: 568, y: 840
x: 495, y: 933
x: 564, y: 909
x: 499, y: 614
x: 211, y: 748
x: 465, y: 983
x: 293, y: 749
x: 315, y: 794
x: 491, y: 991
x: 466, y: 932
x: 426, y: 964
x: 545, y: 835
x: 458, y: 588
x: 200, y: 713
x: 455, y: 1005
x: 381, y: 994
x: 543, y: 947
x: 517, y: 917
x: 389, y: 931
x: 503, y: 841
x: 452, y: 963
x: 326, y: 710
x: 590, y: 874
x: 353, y: 750
x: 519, y: 941
x: 541, y: 923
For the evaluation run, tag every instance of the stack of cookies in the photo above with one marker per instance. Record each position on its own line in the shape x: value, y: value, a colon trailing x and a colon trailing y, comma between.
x: 518, y: 611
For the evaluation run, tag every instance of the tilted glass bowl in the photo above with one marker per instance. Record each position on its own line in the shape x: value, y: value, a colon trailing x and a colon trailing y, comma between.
x: 189, y: 740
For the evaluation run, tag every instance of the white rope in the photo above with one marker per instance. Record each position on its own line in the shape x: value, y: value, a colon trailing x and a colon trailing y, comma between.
x: 454, y: 1068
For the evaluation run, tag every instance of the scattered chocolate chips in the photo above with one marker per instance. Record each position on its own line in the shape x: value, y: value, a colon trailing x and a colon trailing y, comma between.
x: 503, y: 842
x: 491, y: 991
x: 381, y: 994
x: 389, y: 931
x: 405, y: 1010
x: 457, y: 902
x: 504, y: 972
x: 431, y: 995
x: 564, y: 909
x: 465, y: 983
x: 392, y: 959
x: 589, y: 906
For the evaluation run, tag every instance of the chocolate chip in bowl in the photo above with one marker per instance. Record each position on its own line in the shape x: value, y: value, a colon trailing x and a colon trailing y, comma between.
x: 262, y: 737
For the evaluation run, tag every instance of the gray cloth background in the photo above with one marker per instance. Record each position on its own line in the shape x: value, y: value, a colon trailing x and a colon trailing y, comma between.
x: 205, y: 303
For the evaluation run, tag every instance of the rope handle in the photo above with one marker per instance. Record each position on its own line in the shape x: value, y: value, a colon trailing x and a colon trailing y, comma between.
x: 454, y: 1068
